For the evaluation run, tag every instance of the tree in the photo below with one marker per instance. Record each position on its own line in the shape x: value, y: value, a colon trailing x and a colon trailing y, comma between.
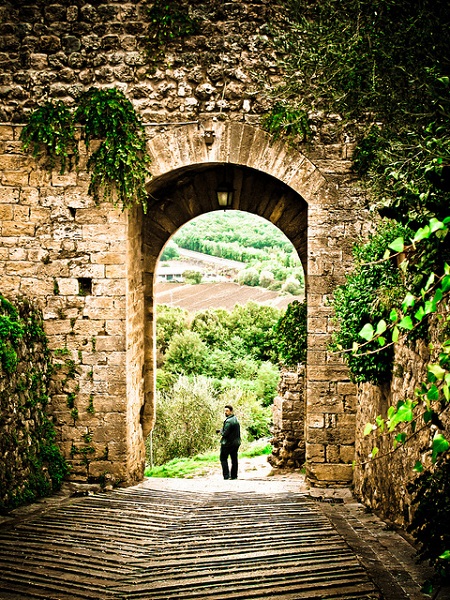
x: 186, y: 354
x: 248, y: 276
x: 170, y: 252
x: 267, y: 382
x: 169, y: 321
x: 254, y: 323
x: 266, y: 279
x: 192, y: 277
x: 211, y: 325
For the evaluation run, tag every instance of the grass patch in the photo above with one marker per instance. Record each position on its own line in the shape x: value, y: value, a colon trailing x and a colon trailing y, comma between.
x: 184, y: 468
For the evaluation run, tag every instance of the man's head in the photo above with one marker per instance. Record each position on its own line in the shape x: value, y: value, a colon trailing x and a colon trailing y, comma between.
x: 228, y: 410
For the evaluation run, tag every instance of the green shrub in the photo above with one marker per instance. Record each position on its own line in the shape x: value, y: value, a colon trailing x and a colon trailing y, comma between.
x: 371, y: 291
x: 187, y: 417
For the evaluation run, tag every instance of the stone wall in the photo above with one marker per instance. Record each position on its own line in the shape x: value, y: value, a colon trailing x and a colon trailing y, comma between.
x: 382, y: 484
x: 31, y: 465
x: 288, y: 433
x: 69, y: 255
x: 56, y: 50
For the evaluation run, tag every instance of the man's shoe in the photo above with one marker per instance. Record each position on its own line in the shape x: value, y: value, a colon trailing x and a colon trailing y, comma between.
x: 233, y: 477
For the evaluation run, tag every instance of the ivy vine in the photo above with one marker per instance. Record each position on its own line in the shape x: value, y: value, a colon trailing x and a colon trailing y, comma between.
x: 51, y: 131
x: 291, y: 333
x: 288, y: 121
x: 168, y: 21
x: 119, y: 166
x: 26, y: 367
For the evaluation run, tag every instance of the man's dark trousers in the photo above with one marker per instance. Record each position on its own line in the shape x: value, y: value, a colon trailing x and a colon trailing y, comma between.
x: 232, y: 452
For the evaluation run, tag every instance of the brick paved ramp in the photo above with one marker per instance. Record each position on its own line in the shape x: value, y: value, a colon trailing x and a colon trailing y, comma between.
x: 168, y: 543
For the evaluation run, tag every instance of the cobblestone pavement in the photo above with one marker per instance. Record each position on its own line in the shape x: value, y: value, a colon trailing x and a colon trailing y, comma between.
x: 205, y: 538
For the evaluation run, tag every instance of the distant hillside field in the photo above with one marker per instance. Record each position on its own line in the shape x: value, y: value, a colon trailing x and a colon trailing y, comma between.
x: 218, y: 295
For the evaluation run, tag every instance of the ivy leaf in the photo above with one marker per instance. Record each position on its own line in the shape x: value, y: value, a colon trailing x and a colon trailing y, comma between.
x: 420, y: 313
x: 446, y: 392
x: 433, y: 393
x: 445, y: 284
x: 381, y: 327
x: 408, y: 302
x: 437, y: 371
x: 395, y: 334
x: 440, y: 444
x: 445, y: 555
x: 374, y: 452
x: 367, y: 332
x: 400, y: 438
x: 418, y: 467
x: 429, y: 282
x: 381, y: 340
x: 380, y: 423
x: 368, y: 429
x: 404, y: 414
x: 406, y: 323
x: 435, y: 225
x: 421, y: 234
x: 393, y: 315
x: 397, y: 245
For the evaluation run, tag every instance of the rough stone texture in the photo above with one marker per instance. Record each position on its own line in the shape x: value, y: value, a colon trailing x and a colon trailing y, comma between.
x: 23, y: 422
x: 91, y: 267
x: 288, y: 434
x: 382, y: 483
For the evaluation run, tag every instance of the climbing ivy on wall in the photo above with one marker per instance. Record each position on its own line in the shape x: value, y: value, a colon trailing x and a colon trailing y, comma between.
x: 168, y: 21
x: 32, y: 465
x: 381, y: 67
x: 119, y: 166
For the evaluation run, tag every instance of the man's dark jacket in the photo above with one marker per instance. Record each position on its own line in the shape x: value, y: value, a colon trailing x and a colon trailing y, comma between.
x: 231, y: 432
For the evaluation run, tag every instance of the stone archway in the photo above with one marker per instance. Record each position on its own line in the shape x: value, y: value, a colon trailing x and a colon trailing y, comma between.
x: 280, y: 184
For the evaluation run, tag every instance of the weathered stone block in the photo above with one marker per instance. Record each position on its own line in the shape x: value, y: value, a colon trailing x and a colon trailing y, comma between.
x: 328, y: 474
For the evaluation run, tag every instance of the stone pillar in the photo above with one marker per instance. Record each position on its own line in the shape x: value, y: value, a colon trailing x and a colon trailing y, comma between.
x: 333, y: 226
x: 288, y: 439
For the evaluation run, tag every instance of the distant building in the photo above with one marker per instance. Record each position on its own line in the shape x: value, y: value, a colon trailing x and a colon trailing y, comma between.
x: 170, y: 273
x: 173, y: 270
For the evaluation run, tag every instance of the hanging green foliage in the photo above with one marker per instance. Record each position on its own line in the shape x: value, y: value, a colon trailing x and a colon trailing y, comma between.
x: 51, y: 131
x: 368, y: 296
x: 287, y: 121
x: 119, y: 167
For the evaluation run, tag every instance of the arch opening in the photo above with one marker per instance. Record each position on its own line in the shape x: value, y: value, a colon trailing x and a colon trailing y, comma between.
x: 222, y: 330
x: 284, y: 187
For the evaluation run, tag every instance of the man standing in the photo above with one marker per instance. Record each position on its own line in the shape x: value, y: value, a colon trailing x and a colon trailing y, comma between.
x: 230, y: 442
